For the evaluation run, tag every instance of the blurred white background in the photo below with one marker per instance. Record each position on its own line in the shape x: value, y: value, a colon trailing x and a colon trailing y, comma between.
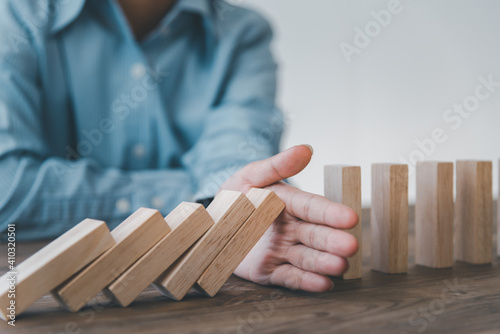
x: 398, y: 87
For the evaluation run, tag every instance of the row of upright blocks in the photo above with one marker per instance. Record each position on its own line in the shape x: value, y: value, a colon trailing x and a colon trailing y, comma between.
x: 444, y: 231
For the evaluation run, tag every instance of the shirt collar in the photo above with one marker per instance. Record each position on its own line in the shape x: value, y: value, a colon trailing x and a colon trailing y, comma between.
x: 67, y: 12
x: 70, y: 10
x: 198, y: 6
x: 204, y: 8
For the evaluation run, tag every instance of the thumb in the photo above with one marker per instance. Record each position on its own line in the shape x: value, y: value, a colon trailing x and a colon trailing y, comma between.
x: 283, y: 165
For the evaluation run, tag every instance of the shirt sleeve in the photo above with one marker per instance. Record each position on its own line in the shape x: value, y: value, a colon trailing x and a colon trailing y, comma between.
x: 244, y: 125
x: 46, y: 195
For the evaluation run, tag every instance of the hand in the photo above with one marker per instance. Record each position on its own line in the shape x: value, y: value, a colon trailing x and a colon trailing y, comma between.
x: 304, y: 245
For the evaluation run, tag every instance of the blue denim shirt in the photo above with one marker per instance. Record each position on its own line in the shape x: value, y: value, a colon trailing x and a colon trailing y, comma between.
x: 94, y: 124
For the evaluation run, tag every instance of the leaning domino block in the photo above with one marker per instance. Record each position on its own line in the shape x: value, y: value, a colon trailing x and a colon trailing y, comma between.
x: 55, y: 263
x: 268, y: 206
x: 134, y: 237
x: 229, y: 210
x: 474, y: 212
x: 188, y: 222
x: 389, y: 218
x: 434, y: 214
x: 343, y: 185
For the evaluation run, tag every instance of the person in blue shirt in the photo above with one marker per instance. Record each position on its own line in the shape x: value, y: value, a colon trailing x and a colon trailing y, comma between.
x: 110, y: 105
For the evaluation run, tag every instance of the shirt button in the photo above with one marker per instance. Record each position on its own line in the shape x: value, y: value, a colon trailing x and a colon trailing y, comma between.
x: 157, y: 202
x: 123, y: 205
x: 139, y: 151
x: 138, y: 71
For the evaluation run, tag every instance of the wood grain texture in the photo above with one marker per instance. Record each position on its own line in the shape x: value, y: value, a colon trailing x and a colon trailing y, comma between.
x: 474, y: 212
x: 55, y: 263
x: 268, y: 206
x: 434, y: 214
x: 343, y: 185
x: 133, y: 237
x: 229, y: 210
x: 389, y: 218
x: 188, y: 222
x: 376, y: 304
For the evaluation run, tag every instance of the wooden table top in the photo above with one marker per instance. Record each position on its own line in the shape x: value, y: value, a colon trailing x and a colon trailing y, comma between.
x: 462, y: 299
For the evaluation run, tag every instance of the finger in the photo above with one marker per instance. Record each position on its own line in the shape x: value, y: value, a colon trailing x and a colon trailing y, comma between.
x: 315, y: 208
x: 294, y: 278
x: 327, y: 239
x: 312, y: 260
x: 265, y: 172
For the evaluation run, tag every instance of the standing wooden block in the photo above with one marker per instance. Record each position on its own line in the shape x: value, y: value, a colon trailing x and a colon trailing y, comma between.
x: 188, y: 222
x: 229, y: 210
x: 268, y: 206
x: 389, y: 218
x: 343, y: 185
x: 134, y: 237
x: 474, y: 212
x: 55, y: 263
x: 434, y: 214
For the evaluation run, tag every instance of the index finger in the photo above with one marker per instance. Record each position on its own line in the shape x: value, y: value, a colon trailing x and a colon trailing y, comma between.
x: 315, y: 208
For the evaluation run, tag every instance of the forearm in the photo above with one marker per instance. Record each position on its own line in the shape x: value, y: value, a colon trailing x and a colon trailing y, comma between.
x: 46, y: 198
x: 235, y: 136
x: 244, y: 125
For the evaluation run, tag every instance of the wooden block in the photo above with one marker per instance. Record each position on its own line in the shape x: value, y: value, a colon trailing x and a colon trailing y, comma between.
x: 498, y: 214
x: 54, y: 264
x: 343, y: 185
x: 229, y: 210
x: 268, y: 206
x: 389, y: 218
x: 434, y: 214
x: 474, y: 212
x: 188, y: 222
x: 133, y: 237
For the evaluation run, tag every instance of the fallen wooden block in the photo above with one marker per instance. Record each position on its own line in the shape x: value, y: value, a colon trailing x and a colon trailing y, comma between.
x: 54, y: 264
x: 474, y: 212
x: 343, y: 185
x: 434, y: 214
x: 389, y: 218
x: 188, y: 222
x: 268, y: 206
x: 229, y: 210
x: 134, y: 237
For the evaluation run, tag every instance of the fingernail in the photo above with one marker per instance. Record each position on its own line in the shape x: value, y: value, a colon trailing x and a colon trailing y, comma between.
x: 333, y: 286
x: 310, y: 147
